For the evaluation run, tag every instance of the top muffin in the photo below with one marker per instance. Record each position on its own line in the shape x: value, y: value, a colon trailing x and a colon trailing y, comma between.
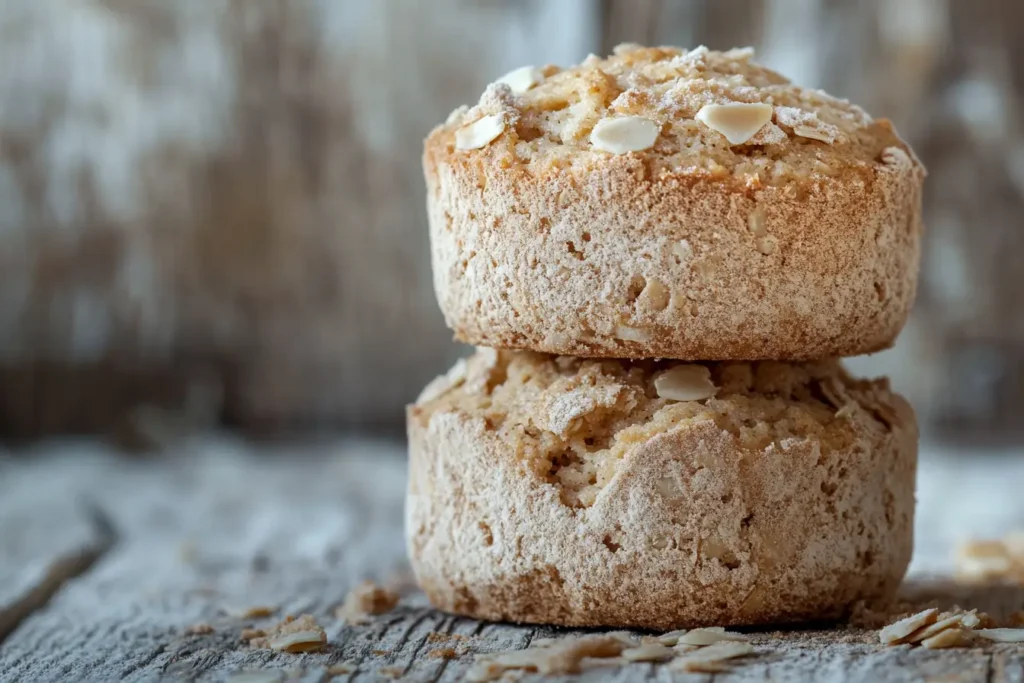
x: 665, y: 203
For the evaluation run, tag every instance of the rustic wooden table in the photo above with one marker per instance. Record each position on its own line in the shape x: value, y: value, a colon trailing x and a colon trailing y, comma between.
x: 106, y: 561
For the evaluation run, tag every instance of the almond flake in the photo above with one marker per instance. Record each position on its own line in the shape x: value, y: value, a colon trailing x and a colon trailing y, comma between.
x: 624, y: 134
x: 806, y: 124
x: 480, y: 133
x: 896, y: 156
x: 951, y: 637
x: 522, y: 79
x: 685, y: 382
x: 1002, y: 635
x: 563, y: 657
x: 711, y: 656
x: 625, y: 637
x: 897, y: 632
x: 671, y: 638
x: 710, y: 636
x: 650, y: 652
x: 939, y: 626
x: 737, y: 121
x: 300, y: 641
x: 814, y: 134
x: 301, y: 634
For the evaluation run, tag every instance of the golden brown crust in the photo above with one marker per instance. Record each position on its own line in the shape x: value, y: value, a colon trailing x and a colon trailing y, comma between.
x: 766, y: 504
x: 693, y: 249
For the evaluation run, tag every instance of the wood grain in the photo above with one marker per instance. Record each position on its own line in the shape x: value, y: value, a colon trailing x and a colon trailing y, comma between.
x: 224, y: 525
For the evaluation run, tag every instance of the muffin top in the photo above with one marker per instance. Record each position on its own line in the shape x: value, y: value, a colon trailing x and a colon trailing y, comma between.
x: 700, y: 114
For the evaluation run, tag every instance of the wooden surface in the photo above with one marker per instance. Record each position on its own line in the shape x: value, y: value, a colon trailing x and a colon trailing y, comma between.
x: 106, y: 561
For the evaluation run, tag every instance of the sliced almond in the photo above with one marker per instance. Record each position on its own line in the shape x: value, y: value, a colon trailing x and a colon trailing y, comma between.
x: 896, y: 156
x: 710, y: 636
x: 950, y: 637
x: 480, y: 133
x: 300, y: 641
x: 897, y: 632
x: 624, y: 637
x: 685, y: 382
x: 522, y: 79
x: 707, y: 658
x: 671, y: 638
x: 814, y: 134
x: 930, y: 630
x: 650, y: 652
x: 1002, y: 635
x: 624, y: 134
x: 737, y: 121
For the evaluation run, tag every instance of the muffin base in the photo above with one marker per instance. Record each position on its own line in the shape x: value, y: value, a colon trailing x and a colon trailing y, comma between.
x: 697, y: 525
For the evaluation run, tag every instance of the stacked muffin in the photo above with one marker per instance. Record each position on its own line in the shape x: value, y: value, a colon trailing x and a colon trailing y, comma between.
x: 670, y: 249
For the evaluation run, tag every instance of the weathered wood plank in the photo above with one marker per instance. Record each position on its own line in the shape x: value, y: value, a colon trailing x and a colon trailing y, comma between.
x: 43, y: 545
x: 221, y: 525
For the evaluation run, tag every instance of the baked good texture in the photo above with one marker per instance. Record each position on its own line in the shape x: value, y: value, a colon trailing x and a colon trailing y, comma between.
x: 801, y: 242
x: 566, y: 491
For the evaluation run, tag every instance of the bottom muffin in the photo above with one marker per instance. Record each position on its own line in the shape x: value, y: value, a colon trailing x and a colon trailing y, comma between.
x: 657, y: 494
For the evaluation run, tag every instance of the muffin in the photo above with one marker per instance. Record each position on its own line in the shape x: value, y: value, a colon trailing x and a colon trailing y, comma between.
x: 672, y: 204
x: 660, y: 495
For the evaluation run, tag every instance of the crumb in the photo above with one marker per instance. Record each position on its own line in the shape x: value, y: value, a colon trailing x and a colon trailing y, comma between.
x: 443, y: 653
x: 390, y: 671
x: 302, y: 634
x: 251, y: 633
x: 380, y: 653
x: 199, y: 629
x: 365, y: 600
x: 565, y: 657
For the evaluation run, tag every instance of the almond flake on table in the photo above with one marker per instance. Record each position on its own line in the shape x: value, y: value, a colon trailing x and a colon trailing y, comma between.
x: 898, y: 631
x: 709, y: 658
x: 710, y: 636
x: 951, y: 637
x: 1002, y: 635
x: 930, y: 630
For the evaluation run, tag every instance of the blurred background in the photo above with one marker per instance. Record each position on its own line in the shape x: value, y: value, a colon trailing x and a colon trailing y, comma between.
x: 212, y: 211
